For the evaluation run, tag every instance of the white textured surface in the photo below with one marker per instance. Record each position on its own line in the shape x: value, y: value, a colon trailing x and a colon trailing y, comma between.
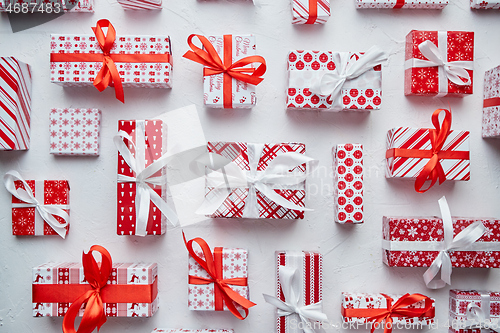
x: 352, y: 255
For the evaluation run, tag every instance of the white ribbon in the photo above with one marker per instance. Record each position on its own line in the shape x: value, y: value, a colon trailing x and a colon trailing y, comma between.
x: 331, y: 82
x: 291, y: 286
x: 47, y: 212
x: 479, y: 317
x: 145, y: 195
x: 224, y: 179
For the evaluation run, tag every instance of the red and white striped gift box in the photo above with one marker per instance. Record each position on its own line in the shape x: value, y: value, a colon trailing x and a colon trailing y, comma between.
x: 141, y: 4
x: 410, y: 4
x: 491, y: 104
x: 310, y: 11
x: 15, y: 104
x: 461, y: 300
x: 310, y: 267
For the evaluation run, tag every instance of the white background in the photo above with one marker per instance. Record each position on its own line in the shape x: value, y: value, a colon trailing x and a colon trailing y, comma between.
x: 352, y: 255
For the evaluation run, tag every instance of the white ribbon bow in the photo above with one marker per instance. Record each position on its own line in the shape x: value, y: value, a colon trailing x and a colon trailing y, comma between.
x: 479, y: 317
x: 47, y: 212
x: 290, y: 286
x: 145, y: 195
x: 331, y: 83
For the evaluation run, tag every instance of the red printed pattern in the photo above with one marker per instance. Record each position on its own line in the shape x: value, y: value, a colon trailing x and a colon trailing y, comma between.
x: 141, y: 4
x: 483, y: 4
x: 410, y: 4
x: 301, y: 11
x: 491, y: 114
x: 460, y: 299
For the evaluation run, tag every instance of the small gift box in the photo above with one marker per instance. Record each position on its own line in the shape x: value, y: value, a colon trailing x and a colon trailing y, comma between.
x: 74, y: 289
x: 75, y: 131
x: 102, y: 60
x: 310, y: 11
x: 141, y: 4
x: 299, y: 276
x: 234, y: 87
x: 348, y: 183
x: 483, y: 4
x: 47, y: 6
x: 252, y: 183
x: 40, y: 207
x: 428, y: 154
x: 218, y: 281
x: 180, y: 330
x: 387, y: 310
x: 335, y: 81
x: 439, y: 63
x: 491, y: 104
x: 15, y: 104
x: 473, y: 311
x: 410, y: 4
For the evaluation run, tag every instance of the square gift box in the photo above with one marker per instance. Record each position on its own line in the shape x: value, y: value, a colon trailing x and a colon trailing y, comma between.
x: 75, y: 131
x: 48, y: 6
x: 181, y: 330
x: 463, y: 305
x: 310, y: 11
x: 428, y: 54
x: 410, y: 4
x: 491, y: 104
x: 485, y: 4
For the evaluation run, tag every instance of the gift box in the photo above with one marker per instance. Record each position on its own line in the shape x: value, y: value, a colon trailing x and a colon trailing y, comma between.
x: 48, y: 6
x: 138, y: 61
x: 310, y: 11
x: 141, y: 4
x: 348, y: 183
x: 75, y: 131
x: 472, y: 309
x: 15, y: 104
x: 439, y: 63
x: 410, y: 153
x: 410, y: 4
x: 372, y: 308
x: 234, y: 88
x: 272, y: 199
x: 483, y: 4
x: 307, y: 69
x: 180, y: 330
x: 491, y: 104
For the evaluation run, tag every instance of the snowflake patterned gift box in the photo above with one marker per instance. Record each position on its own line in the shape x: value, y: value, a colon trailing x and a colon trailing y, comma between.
x: 49, y: 6
x: 310, y: 11
x: 75, y: 131
x: 439, y: 63
x: 471, y: 310
x: 483, y: 4
x: 410, y: 4
x: 491, y: 104
x: 114, y: 60
x: 180, y: 330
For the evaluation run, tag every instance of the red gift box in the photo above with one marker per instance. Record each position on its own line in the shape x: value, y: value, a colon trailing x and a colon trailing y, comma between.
x: 471, y: 310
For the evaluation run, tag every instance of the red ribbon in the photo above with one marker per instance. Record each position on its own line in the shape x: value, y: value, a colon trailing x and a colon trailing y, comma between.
x: 399, y: 309
x: 399, y: 4
x: 495, y: 101
x: 433, y: 170
x: 213, y: 266
x: 214, y: 65
x: 313, y: 12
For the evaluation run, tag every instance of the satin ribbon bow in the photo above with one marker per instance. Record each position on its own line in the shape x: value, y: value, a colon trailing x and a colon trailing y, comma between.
x: 461, y: 241
x: 479, y: 317
x: 290, y: 285
x: 223, y: 293
x: 331, y: 83
x: 238, y: 70
x: 97, y: 276
x: 47, y: 212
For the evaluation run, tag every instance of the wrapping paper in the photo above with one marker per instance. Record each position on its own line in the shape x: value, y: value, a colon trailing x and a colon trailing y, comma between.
x: 483, y: 4
x: 234, y: 204
x: 122, y: 273
x: 15, y: 104
x: 491, y: 104
x: 430, y: 230
x: 154, y: 147
x: 348, y: 183
x: 75, y: 131
x: 460, y: 300
x: 27, y: 220
x: 310, y: 11
x: 83, y: 6
x: 410, y: 4
x: 429, y: 81
x: 141, y: 4
x: 305, y: 67
x: 180, y: 330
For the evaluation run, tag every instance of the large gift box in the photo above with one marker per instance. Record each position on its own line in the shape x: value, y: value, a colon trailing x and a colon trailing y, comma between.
x: 471, y: 310
x: 75, y: 131
x: 307, y: 70
x: 310, y: 11
x: 15, y: 104
x: 410, y: 4
x: 491, y: 104
x: 47, y: 6
x: 439, y: 63
x: 180, y: 330
x: 485, y: 4
x: 233, y: 88
x: 348, y: 183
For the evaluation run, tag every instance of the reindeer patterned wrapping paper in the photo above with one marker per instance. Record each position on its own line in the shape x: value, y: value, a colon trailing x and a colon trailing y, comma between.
x: 461, y: 300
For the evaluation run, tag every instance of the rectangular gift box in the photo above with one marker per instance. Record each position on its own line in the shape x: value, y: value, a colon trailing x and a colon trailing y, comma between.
x: 181, y: 330
x: 410, y: 4
x: 488, y: 301
x: 15, y: 104
x: 27, y: 220
x: 432, y: 81
x: 310, y: 11
x: 75, y: 131
x: 234, y: 205
x: 133, y: 73
x: 48, y: 6
x: 348, y: 183
x: 306, y: 67
x: 485, y: 4
x: 491, y: 104
x: 310, y: 266
x: 419, y: 139
x: 153, y: 146
x: 397, y: 231
x: 202, y: 296
x: 141, y: 4
x: 63, y: 274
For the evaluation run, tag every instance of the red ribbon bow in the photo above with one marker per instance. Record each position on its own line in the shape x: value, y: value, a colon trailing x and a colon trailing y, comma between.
x: 214, y: 65
x: 213, y: 266
x: 433, y: 170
